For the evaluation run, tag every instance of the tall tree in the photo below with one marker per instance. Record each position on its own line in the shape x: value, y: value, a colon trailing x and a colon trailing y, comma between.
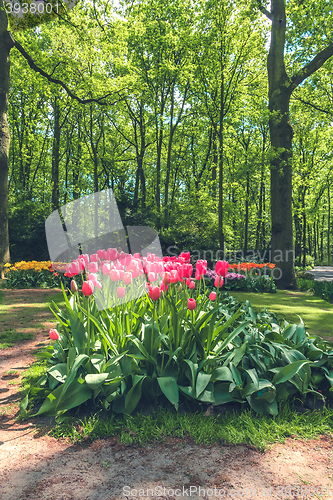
x: 280, y: 88
x: 5, y: 45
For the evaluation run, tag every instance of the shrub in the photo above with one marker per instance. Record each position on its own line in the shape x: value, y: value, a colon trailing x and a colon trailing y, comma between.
x: 324, y: 289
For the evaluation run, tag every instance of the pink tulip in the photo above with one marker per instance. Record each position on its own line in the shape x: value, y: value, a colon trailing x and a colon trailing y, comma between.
x: 200, y: 267
x: 152, y: 276
x: 133, y: 265
x: 191, y: 304
x: 53, y: 333
x: 125, y: 258
x: 185, y: 271
x: 101, y: 254
x: 191, y: 285
x: 212, y: 296
x: 218, y: 282
x: 106, y: 269
x: 173, y: 276
x: 85, y: 257
x: 92, y: 277
x: 111, y: 254
x: 121, y: 292
x: 87, y: 288
x: 221, y: 267
x: 74, y: 268
x: 93, y: 257
x: 114, y: 275
x: 154, y: 293
x: 93, y: 267
x: 186, y: 256
x: 127, y: 278
x: 82, y: 263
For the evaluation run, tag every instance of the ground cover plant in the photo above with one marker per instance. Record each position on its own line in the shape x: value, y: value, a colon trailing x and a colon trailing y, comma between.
x: 177, y: 341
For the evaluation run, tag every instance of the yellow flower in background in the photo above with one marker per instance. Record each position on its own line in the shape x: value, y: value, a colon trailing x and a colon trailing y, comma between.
x: 32, y: 265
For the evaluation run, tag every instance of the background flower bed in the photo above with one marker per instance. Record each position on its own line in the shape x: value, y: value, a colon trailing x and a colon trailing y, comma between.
x: 250, y: 277
x: 247, y: 276
x: 33, y: 274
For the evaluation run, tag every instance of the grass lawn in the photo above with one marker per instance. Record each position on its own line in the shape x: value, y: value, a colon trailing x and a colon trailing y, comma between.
x: 317, y: 314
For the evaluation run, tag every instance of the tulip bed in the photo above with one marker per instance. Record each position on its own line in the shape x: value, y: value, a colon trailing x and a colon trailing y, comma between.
x: 121, y: 340
x: 257, y: 278
x: 33, y: 274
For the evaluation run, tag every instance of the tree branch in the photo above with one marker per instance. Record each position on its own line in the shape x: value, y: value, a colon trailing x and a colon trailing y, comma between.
x: 264, y: 10
x: 313, y: 106
x: 101, y: 100
x: 312, y: 66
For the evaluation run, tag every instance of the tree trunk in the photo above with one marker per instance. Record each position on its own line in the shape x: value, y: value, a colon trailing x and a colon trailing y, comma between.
x: 246, y: 211
x: 322, y: 239
x: 315, y: 239
x: 281, y: 135
x: 5, y: 46
x: 56, y: 155
x: 221, y: 158
x: 304, y: 226
x: 214, y: 164
x: 328, y: 224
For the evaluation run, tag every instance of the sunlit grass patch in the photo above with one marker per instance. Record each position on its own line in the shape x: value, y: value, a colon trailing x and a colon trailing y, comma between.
x: 10, y: 337
x: 316, y: 313
x: 237, y: 427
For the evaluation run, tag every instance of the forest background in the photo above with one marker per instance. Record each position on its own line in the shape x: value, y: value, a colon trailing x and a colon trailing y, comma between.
x: 172, y: 110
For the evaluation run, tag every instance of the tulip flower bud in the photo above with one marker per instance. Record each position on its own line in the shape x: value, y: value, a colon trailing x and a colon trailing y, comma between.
x: 73, y: 286
x: 212, y: 296
x: 53, y: 333
x: 180, y: 287
x: 154, y: 293
x: 121, y: 292
x: 218, y: 282
x: 191, y: 304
